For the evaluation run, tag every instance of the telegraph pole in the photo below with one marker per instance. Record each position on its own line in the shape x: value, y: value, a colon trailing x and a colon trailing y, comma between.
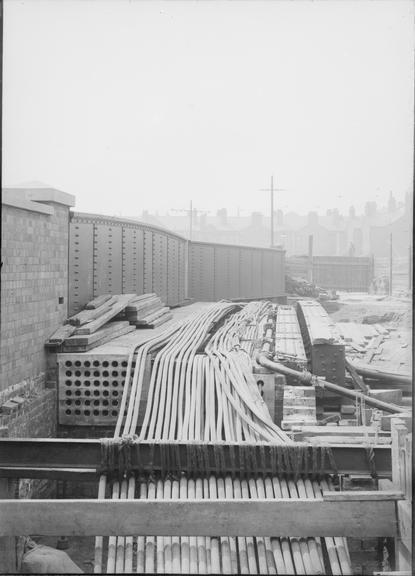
x: 191, y: 220
x: 272, y: 211
x: 390, y: 264
x: 271, y: 190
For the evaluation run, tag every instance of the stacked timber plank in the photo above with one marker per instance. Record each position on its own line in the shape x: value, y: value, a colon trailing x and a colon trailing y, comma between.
x: 85, y: 342
x: 147, y: 311
x: 340, y: 434
x: 108, y: 317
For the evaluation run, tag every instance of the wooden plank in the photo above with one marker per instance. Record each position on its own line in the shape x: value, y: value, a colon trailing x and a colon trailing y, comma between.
x: 154, y: 315
x: 86, y: 316
x: 97, y: 302
x: 164, y: 318
x: 121, y: 303
x: 394, y: 573
x: 141, y: 305
x: 60, y: 335
x: 74, y: 474
x: 139, y: 314
x: 405, y: 523
x: 302, y: 517
x: 144, y: 297
x: 358, y: 431
x: 108, y: 338
x: 319, y: 440
x: 86, y: 339
x: 361, y: 495
x: 8, y: 564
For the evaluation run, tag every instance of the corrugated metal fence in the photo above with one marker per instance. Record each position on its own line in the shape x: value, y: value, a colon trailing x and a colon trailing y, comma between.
x: 115, y: 256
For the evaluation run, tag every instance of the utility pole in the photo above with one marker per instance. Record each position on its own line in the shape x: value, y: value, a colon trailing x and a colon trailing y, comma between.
x: 390, y: 264
x: 272, y: 212
x: 410, y: 268
x: 191, y: 220
x: 271, y: 190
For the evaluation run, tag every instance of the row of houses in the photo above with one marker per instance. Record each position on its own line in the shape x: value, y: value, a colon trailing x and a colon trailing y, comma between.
x: 333, y: 234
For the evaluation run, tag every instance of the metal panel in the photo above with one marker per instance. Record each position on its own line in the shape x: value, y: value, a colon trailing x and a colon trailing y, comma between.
x: 201, y: 272
x: 160, y: 265
x: 221, y: 266
x: 234, y: 290
x: 107, y: 260
x: 257, y: 273
x: 245, y: 273
x: 278, y: 273
x: 110, y: 255
x: 182, y: 265
x: 148, y: 261
x: 267, y: 274
x: 132, y: 261
x: 172, y: 271
x: 80, y: 265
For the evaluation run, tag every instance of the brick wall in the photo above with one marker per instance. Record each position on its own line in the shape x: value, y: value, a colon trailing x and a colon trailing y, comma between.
x: 35, y: 415
x: 34, y: 278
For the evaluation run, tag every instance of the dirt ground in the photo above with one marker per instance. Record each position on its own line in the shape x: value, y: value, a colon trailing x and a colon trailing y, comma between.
x: 354, y: 307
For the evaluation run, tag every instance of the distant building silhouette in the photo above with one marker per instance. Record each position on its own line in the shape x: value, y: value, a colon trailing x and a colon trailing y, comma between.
x: 334, y: 234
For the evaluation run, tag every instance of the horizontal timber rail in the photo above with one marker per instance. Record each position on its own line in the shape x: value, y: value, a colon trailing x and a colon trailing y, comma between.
x: 353, y: 514
x: 85, y: 459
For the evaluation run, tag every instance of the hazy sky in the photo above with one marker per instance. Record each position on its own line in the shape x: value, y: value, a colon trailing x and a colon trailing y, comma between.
x: 133, y: 105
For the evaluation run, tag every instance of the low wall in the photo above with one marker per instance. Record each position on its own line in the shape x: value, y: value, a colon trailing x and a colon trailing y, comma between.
x: 353, y: 274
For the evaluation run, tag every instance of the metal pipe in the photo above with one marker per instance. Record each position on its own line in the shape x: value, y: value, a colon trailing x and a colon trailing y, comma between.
x: 371, y: 372
x: 374, y: 402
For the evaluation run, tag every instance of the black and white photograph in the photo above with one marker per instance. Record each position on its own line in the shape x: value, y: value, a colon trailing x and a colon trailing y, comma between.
x: 206, y: 330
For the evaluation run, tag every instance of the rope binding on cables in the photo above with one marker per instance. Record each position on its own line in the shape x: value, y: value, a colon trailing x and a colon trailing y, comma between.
x: 124, y: 456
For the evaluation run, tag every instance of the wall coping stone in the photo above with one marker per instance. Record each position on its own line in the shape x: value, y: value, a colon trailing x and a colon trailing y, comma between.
x: 11, y: 198
x: 36, y: 199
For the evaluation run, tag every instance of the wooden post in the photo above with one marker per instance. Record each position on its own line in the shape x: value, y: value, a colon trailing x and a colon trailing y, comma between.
x: 401, y: 478
x: 8, y: 564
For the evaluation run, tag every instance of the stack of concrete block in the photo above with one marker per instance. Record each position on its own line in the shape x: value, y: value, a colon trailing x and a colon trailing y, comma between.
x: 299, y: 407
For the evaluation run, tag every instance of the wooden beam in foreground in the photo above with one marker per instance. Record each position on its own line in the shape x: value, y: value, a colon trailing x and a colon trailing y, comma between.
x: 284, y: 517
